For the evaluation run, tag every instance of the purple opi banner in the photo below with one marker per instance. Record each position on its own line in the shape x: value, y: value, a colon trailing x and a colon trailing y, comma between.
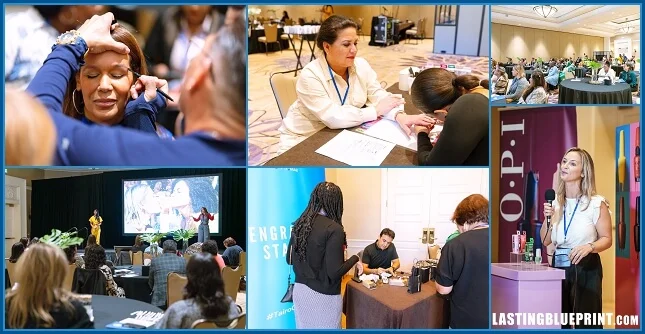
x: 532, y: 143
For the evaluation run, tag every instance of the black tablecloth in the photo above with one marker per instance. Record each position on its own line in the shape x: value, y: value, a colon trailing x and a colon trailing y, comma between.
x: 136, y: 288
x: 257, y: 47
x: 582, y: 92
x: 580, y: 72
x: 107, y: 310
x: 509, y: 70
x: 617, y: 69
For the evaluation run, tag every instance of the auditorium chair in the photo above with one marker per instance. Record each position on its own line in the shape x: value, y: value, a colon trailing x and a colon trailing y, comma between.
x: 237, y: 323
x: 175, y: 287
x: 89, y: 282
x: 232, y: 281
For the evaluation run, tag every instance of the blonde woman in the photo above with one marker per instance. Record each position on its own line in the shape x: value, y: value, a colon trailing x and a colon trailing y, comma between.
x: 140, y: 207
x: 518, y: 86
x: 39, y: 299
x: 580, y: 230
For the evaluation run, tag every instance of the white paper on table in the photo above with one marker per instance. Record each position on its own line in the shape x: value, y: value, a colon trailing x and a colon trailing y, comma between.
x: 391, y: 132
x: 356, y: 149
x: 370, y: 277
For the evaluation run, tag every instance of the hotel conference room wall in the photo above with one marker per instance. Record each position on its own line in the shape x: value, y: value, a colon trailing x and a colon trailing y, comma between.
x: 514, y: 41
x: 412, y: 13
x: 596, y: 134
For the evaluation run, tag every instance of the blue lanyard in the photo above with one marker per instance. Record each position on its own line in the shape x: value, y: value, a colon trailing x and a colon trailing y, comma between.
x: 342, y: 100
x: 566, y: 227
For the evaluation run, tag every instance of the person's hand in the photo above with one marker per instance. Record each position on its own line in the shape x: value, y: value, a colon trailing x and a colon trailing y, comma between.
x: 386, y: 104
x: 149, y: 85
x: 440, y: 115
x: 406, y: 121
x: 381, y: 270
x: 548, y: 210
x: 96, y: 33
x: 579, y: 252
x: 419, y: 129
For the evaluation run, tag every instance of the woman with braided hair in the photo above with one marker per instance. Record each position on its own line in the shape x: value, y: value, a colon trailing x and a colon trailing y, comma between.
x: 317, y: 247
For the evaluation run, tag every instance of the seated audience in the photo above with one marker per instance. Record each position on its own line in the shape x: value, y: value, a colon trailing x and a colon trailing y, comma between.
x: 606, y: 71
x: 24, y: 241
x: 40, y: 300
x: 502, y: 82
x: 553, y: 77
x: 210, y: 246
x: 629, y: 76
x: 95, y: 258
x: 91, y: 240
x: 16, y: 251
x: 463, y: 269
x: 160, y: 267
x: 518, y: 85
x: 381, y: 256
x: 535, y: 93
x: 204, y: 296
x: 73, y: 257
x: 138, y: 245
x: 232, y: 252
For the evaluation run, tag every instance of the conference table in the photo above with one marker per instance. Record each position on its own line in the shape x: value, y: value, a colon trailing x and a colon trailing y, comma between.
x: 107, y: 310
x: 305, y: 152
x: 135, y: 287
x: 256, y: 47
x: 582, y: 92
x: 392, y: 307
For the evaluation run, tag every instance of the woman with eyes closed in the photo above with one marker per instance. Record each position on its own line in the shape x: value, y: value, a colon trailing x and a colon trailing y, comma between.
x: 339, y: 90
x: 104, y: 90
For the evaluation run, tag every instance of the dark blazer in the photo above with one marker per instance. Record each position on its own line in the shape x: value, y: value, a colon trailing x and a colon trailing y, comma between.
x: 323, y: 268
x: 160, y: 267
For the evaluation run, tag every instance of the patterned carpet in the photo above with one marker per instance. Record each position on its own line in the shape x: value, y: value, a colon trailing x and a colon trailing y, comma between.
x: 264, y: 117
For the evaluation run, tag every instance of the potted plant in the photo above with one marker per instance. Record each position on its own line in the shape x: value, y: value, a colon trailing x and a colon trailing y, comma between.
x: 184, y: 236
x: 153, y: 239
x: 539, y: 63
x: 594, y: 66
x: 62, y: 239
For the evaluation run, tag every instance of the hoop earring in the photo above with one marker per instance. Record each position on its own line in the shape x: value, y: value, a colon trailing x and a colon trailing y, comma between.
x: 74, y: 102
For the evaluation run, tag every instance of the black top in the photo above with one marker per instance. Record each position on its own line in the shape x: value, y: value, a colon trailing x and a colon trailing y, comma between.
x: 323, y: 268
x: 63, y: 319
x: 464, y: 138
x: 376, y: 258
x: 464, y: 265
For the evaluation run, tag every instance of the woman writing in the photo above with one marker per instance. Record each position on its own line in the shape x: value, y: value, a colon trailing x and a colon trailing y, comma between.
x: 580, y: 230
x: 339, y: 90
x: 203, y: 233
x: 39, y: 300
x: 95, y: 223
x: 463, y: 101
x: 316, y: 252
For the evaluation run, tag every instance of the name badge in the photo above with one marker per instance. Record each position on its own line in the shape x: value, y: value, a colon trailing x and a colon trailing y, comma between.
x: 561, y: 258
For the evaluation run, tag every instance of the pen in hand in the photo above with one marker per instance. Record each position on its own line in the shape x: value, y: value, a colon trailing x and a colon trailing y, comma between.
x: 158, y: 90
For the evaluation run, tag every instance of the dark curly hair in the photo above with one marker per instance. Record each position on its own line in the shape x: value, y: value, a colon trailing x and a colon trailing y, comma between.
x: 206, y: 286
x: 94, y: 257
x: 326, y: 197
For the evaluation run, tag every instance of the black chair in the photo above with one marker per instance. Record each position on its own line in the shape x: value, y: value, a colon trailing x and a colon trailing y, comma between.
x: 89, y: 281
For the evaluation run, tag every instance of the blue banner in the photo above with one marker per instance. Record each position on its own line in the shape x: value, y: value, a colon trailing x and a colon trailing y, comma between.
x: 276, y: 199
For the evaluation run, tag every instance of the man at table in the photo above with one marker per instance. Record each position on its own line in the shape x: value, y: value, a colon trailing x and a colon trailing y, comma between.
x: 607, y: 71
x: 160, y: 267
x: 381, y: 256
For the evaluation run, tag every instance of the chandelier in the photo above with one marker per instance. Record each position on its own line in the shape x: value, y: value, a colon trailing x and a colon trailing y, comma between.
x: 626, y: 28
x: 545, y: 10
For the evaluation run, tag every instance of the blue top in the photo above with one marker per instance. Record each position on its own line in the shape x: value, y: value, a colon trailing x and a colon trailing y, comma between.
x: 80, y: 144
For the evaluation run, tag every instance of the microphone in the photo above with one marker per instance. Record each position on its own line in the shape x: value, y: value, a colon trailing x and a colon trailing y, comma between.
x: 73, y: 228
x: 549, y: 196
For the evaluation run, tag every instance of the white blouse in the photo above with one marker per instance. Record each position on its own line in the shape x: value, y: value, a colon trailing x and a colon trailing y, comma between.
x: 582, y: 228
x: 319, y: 105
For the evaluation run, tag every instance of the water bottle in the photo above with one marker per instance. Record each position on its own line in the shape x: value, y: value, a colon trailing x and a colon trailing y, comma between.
x: 538, y: 256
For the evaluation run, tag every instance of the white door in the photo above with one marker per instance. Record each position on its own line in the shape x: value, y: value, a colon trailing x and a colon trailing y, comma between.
x: 426, y: 198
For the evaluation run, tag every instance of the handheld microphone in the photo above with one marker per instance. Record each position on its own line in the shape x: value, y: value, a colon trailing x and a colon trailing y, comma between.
x: 549, y: 196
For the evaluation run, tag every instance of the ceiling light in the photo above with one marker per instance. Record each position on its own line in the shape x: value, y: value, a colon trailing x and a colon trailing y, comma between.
x: 625, y: 28
x: 545, y: 10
